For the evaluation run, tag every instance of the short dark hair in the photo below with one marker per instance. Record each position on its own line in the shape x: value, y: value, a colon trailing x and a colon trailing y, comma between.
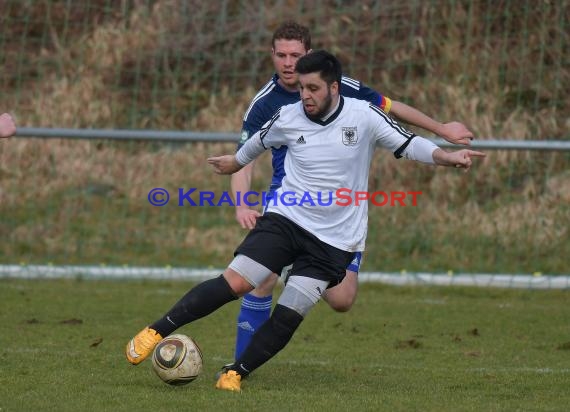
x: 291, y: 30
x: 321, y: 61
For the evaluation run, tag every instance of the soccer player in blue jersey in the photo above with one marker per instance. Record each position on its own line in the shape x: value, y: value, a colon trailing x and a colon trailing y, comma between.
x: 290, y: 42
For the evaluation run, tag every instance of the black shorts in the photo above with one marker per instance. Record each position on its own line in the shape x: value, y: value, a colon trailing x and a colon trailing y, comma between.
x: 277, y: 242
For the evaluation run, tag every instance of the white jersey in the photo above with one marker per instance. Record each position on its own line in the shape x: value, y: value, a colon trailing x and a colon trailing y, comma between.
x: 326, y: 159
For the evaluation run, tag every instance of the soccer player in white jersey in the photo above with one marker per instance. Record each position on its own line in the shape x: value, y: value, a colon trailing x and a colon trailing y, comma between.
x: 331, y: 142
x: 7, y: 125
x: 291, y: 41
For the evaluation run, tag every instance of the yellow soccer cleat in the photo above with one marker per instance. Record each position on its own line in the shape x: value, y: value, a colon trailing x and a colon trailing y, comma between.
x: 229, y: 381
x: 141, y: 346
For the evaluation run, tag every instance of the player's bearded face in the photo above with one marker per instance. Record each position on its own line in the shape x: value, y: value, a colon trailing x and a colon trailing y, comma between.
x: 316, y: 94
x: 321, y: 107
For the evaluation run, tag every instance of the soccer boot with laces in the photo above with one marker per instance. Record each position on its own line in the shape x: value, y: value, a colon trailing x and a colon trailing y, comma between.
x: 229, y: 381
x: 141, y: 346
x: 223, y: 370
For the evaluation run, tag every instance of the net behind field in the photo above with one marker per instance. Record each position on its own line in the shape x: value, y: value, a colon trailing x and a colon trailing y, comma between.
x: 501, y: 68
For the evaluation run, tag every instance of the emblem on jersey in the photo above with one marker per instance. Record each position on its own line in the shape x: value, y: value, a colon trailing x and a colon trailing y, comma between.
x: 301, y: 140
x: 349, y: 136
x: 244, y: 136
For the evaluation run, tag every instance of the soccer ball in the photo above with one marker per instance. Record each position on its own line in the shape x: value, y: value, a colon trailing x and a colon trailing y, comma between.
x: 177, y: 360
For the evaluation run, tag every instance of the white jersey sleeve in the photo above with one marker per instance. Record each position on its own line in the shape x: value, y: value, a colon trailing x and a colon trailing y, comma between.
x: 252, y: 148
x: 403, y: 143
x: 421, y: 150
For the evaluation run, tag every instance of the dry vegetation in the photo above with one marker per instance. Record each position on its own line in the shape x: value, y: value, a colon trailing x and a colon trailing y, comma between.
x: 191, y: 65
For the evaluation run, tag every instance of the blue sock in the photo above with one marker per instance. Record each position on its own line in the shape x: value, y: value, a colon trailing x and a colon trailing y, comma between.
x: 254, y: 312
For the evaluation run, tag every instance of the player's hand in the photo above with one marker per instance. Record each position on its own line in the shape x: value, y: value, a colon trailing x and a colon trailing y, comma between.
x: 7, y: 125
x: 462, y: 159
x: 456, y: 133
x: 247, y: 217
x: 224, y: 165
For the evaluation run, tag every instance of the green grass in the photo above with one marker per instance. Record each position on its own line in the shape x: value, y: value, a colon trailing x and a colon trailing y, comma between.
x: 399, y: 349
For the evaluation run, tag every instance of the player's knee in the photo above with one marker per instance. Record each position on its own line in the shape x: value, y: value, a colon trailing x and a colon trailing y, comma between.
x: 342, y: 303
x: 237, y: 283
x: 301, y: 294
x: 244, y: 273
x: 341, y: 298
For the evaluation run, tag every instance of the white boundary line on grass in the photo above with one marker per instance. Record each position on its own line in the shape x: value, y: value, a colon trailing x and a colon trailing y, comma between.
x: 521, y: 281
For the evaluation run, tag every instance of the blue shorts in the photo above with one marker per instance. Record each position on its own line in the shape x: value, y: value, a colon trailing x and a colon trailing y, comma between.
x: 356, y: 261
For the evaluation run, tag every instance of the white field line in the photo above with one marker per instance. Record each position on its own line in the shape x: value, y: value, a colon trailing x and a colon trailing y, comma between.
x: 522, y: 281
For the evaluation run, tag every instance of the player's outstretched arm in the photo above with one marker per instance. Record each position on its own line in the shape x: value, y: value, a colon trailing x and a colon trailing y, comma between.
x: 241, y: 182
x: 224, y: 165
x: 7, y: 125
x: 453, y: 132
x: 228, y: 164
x: 461, y: 159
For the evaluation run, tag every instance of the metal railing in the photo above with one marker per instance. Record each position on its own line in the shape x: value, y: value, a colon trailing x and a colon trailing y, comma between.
x: 179, y: 136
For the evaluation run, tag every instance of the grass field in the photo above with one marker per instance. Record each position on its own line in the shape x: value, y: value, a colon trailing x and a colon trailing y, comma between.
x: 399, y: 349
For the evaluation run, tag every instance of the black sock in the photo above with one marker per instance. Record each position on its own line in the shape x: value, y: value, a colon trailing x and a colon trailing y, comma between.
x: 270, y: 338
x: 200, y: 301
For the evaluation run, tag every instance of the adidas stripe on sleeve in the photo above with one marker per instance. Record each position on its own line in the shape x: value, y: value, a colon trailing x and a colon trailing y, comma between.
x: 410, y: 146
